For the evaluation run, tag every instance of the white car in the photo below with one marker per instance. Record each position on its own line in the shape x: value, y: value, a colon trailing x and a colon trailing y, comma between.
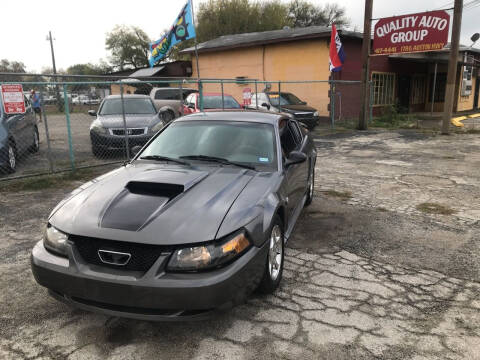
x: 84, y: 100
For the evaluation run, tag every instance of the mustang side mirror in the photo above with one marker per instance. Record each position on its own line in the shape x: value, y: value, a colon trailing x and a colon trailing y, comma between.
x: 92, y: 112
x: 295, y: 157
x: 136, y: 149
x: 266, y: 105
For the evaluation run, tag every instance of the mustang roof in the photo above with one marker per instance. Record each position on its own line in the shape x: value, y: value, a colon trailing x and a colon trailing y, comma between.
x: 240, y: 115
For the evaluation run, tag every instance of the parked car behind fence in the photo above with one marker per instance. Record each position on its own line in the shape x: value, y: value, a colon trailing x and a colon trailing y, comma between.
x: 286, y: 102
x: 170, y: 100
x: 18, y: 136
x: 107, y: 131
x: 211, y: 102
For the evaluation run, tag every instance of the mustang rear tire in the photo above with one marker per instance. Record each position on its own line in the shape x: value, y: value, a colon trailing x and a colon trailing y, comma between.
x: 311, y: 187
x: 274, y: 265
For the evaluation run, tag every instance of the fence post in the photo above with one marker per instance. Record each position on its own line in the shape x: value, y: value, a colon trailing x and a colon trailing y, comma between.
x: 223, y: 96
x: 181, y: 97
x: 69, y: 130
x: 125, y: 132
x: 256, y: 93
x: 279, y: 99
x: 47, y: 134
x: 332, y: 104
x: 371, y: 101
x: 200, y: 94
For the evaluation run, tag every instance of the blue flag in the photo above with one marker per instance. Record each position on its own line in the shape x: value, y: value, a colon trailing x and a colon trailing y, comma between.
x: 182, y: 29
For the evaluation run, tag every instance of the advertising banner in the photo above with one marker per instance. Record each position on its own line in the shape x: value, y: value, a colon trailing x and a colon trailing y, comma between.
x: 411, y: 33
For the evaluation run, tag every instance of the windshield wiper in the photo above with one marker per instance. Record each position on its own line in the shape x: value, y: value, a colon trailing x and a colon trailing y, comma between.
x: 163, y: 158
x: 218, y: 160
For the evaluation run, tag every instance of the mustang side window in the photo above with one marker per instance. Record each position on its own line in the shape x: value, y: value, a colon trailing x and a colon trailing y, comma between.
x: 296, y: 132
x: 287, y: 139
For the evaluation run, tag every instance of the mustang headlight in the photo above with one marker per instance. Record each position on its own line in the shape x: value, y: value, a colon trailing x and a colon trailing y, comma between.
x: 208, y: 256
x: 55, y: 240
x: 315, y: 113
x: 158, y: 126
x: 97, y: 127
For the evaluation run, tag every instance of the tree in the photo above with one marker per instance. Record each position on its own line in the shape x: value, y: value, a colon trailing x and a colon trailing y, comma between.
x: 7, y: 66
x: 224, y: 17
x: 335, y: 14
x: 89, y: 69
x: 303, y: 14
x: 12, y: 66
x: 128, y: 46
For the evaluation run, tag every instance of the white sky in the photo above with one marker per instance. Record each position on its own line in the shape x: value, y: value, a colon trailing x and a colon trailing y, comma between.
x: 79, y: 27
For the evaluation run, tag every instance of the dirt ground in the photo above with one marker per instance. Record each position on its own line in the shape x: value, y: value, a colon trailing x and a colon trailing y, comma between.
x: 370, y: 272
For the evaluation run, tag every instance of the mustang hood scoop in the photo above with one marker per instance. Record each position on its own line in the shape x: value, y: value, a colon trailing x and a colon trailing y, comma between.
x: 137, y: 202
x: 154, y: 189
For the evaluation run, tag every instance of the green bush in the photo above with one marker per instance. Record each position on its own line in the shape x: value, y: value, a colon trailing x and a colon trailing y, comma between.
x: 393, y: 117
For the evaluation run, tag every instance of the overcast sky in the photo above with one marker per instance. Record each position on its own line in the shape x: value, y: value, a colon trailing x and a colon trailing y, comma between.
x: 79, y: 27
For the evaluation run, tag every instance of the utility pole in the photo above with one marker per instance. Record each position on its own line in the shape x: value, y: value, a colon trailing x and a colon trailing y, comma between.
x: 49, y: 38
x: 452, y: 67
x: 365, y: 90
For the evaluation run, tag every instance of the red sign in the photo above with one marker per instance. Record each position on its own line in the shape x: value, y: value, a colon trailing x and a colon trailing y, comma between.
x: 247, y: 96
x: 411, y: 33
x: 13, y: 100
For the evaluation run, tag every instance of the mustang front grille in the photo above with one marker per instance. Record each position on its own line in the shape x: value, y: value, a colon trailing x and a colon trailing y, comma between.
x: 143, y: 256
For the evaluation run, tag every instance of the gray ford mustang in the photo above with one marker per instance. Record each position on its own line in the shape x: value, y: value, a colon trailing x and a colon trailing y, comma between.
x: 194, y: 224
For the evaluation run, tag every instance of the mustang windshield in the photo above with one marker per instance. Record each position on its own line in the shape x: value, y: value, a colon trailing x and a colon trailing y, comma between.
x: 132, y: 106
x: 240, y: 142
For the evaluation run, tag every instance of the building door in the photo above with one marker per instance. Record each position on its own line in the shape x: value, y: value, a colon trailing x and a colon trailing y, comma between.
x: 475, y: 98
x: 404, y: 84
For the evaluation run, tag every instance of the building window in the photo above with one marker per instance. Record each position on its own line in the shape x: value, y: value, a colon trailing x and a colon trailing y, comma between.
x: 440, y: 85
x: 383, y: 88
x: 418, y: 90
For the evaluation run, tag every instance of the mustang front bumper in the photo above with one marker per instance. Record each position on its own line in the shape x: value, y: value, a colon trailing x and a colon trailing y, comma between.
x: 153, y: 295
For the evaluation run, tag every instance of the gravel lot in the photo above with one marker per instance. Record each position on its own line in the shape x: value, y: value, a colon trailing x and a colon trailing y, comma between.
x: 369, y: 274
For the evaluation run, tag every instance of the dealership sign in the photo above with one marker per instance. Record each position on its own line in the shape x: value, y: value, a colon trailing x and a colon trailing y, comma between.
x: 13, y: 100
x: 411, y: 33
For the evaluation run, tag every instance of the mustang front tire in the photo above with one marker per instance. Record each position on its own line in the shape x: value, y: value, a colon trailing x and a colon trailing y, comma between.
x: 274, y: 266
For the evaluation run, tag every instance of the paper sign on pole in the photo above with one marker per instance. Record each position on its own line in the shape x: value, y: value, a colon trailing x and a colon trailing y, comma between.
x: 13, y: 100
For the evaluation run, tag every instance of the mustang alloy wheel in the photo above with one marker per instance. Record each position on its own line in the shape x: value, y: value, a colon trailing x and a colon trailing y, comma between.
x: 275, y: 253
x: 274, y: 266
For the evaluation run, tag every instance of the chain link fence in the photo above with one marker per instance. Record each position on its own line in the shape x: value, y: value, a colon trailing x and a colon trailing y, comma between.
x: 79, y: 122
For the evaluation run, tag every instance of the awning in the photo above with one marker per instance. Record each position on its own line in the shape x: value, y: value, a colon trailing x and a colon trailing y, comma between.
x: 147, y: 72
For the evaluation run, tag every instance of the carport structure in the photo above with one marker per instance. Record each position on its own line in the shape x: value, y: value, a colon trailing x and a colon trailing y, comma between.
x: 421, y: 80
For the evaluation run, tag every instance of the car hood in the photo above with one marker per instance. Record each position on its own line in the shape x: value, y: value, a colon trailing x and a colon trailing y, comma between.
x: 153, y: 203
x: 133, y: 121
x: 298, y: 108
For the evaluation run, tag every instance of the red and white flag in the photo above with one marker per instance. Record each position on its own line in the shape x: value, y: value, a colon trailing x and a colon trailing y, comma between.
x: 337, y: 55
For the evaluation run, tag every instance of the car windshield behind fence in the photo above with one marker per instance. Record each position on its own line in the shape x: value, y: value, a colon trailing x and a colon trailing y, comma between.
x: 132, y: 106
x: 284, y: 98
x: 248, y: 143
x: 215, y: 102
